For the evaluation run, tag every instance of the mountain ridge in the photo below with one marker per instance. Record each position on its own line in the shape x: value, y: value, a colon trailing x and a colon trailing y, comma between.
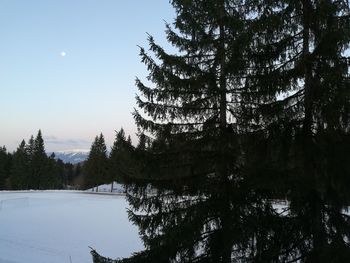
x: 73, y: 156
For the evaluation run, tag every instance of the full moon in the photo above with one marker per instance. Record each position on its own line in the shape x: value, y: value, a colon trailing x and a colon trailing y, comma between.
x: 63, y: 54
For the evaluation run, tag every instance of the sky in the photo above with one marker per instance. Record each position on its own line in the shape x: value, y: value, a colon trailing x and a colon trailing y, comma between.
x: 69, y: 67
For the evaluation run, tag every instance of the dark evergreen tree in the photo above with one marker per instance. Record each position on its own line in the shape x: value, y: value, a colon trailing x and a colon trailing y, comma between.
x: 31, y: 146
x: 115, y: 156
x: 186, y: 225
x: 120, y: 140
x: 70, y: 172
x: 295, y: 71
x: 122, y: 164
x: 29, y: 167
x: 4, y: 163
x: 143, y: 142
x: 61, y: 172
x: 32, y: 168
x: 77, y: 170
x: 20, y: 171
x: 97, y: 163
x: 89, y: 166
x: 295, y: 97
x: 191, y: 101
x: 52, y: 179
x: 190, y: 117
x: 258, y: 89
x: 39, y: 162
x: 129, y: 140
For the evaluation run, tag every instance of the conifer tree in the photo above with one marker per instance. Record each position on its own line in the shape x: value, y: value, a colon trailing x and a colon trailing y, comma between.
x: 70, y: 173
x: 77, y: 170
x: 191, y: 100
x: 115, y: 156
x: 96, y: 164
x: 271, y: 70
x: 143, y: 142
x: 52, y: 180
x: 30, y: 168
x: 3, y: 167
x: 30, y: 146
x: 39, y: 147
x: 121, y: 159
x: 38, y: 162
x: 89, y: 166
x: 61, y: 172
x: 296, y: 92
x: 299, y: 70
x: 20, y: 172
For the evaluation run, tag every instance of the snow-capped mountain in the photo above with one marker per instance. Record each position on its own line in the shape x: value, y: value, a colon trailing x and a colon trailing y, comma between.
x: 72, y: 156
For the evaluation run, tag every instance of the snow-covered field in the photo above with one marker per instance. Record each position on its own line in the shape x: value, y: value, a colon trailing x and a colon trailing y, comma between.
x: 59, y: 226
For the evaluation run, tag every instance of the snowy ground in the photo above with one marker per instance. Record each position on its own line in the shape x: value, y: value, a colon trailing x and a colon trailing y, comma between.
x: 59, y: 226
x: 106, y: 188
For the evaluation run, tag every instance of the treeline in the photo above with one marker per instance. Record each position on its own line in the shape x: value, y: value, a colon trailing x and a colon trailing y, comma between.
x: 121, y: 164
x: 29, y: 167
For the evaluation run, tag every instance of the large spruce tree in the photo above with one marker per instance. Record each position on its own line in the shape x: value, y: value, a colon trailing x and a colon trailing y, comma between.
x: 298, y: 66
x: 254, y: 84
x: 296, y: 91
x: 191, y: 97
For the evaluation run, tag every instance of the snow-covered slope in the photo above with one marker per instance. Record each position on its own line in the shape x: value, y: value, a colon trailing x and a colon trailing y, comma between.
x: 59, y: 227
x: 72, y: 156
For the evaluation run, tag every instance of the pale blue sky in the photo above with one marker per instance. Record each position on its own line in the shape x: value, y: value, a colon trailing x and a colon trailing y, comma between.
x: 72, y: 98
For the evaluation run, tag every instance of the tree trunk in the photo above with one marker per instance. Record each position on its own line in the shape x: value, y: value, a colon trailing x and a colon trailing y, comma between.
x: 308, y: 100
x: 221, y: 163
x: 319, y: 239
x: 222, y: 75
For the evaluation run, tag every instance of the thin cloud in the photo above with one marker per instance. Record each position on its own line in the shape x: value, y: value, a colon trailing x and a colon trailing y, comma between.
x: 50, y: 137
x: 66, y: 143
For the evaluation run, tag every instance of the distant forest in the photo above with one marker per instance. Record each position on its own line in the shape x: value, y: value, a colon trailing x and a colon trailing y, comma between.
x: 29, y: 167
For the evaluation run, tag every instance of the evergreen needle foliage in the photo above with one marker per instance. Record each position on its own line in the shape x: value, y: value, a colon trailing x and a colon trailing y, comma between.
x: 96, y: 164
x: 29, y: 167
x: 253, y: 107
